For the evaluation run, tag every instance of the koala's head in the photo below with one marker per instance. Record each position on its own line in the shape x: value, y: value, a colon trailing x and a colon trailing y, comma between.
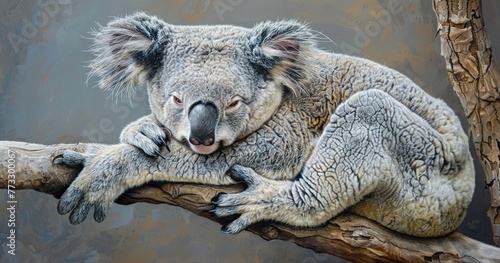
x: 209, y: 85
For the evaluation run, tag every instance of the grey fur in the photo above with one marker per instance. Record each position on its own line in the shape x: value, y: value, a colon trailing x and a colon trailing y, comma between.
x: 312, y: 133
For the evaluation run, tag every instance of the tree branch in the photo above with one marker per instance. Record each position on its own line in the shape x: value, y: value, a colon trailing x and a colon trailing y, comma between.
x: 347, y: 236
x: 475, y: 77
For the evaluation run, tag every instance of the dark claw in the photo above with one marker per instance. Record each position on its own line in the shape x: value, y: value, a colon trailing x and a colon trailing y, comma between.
x: 159, y: 154
x: 216, y: 198
x: 208, y: 210
x: 224, y: 230
x: 169, y: 135
x: 56, y: 161
x: 168, y: 149
x: 162, y: 141
x: 158, y: 140
x: 168, y: 132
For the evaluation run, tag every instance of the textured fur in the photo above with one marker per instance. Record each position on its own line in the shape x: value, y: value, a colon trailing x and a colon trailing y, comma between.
x: 314, y: 133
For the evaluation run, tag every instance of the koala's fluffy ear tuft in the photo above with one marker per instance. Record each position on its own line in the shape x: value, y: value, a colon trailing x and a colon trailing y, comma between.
x: 128, y: 51
x: 280, y: 47
x: 273, y: 42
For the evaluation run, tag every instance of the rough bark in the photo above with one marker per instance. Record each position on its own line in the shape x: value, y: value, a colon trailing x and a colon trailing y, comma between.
x: 475, y: 77
x: 347, y: 236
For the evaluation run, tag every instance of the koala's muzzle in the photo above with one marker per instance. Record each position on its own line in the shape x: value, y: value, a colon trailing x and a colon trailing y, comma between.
x: 203, y: 118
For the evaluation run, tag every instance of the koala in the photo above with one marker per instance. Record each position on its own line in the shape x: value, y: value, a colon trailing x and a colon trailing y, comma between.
x: 312, y: 133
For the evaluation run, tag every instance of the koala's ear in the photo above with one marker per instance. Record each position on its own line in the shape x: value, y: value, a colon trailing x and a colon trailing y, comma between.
x: 281, y: 47
x: 129, y: 51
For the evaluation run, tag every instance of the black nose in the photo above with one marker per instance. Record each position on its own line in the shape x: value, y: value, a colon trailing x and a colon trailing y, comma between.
x: 203, y: 118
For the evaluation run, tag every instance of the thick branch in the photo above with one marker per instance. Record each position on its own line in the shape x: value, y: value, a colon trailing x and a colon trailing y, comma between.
x: 475, y: 77
x: 347, y: 236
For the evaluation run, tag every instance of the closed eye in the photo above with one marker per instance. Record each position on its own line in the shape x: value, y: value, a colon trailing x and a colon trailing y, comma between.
x: 234, y: 104
x: 176, y: 98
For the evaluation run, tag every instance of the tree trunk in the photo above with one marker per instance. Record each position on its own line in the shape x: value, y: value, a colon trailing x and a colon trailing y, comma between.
x: 475, y: 77
x: 348, y: 236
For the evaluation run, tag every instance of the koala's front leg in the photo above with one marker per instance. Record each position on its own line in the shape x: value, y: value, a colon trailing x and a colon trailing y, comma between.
x: 375, y: 148
x: 113, y: 169
x: 146, y: 135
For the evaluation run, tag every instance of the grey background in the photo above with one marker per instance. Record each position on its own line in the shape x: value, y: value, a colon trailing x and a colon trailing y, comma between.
x: 44, y: 98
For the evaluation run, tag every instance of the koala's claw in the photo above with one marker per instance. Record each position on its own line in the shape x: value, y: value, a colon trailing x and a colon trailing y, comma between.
x: 146, y: 135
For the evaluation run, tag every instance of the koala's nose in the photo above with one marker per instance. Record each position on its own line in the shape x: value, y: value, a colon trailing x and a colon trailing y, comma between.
x: 203, y: 118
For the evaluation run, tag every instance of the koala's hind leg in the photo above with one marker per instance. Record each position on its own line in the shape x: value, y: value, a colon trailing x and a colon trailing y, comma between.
x: 368, y: 149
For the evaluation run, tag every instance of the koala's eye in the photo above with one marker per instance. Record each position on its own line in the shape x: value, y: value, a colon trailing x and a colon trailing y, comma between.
x: 177, y: 100
x: 234, y: 104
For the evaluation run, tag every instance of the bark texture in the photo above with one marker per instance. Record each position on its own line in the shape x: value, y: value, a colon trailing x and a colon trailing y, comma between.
x: 475, y: 77
x: 347, y: 236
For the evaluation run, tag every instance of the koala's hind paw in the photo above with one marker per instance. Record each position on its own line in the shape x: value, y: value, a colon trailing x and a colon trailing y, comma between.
x: 260, y: 201
x: 146, y: 135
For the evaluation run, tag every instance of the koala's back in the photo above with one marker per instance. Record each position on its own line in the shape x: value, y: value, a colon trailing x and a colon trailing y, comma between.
x: 430, y: 175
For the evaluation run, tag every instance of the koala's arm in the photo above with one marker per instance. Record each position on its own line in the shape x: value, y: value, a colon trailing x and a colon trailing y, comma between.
x: 117, y: 168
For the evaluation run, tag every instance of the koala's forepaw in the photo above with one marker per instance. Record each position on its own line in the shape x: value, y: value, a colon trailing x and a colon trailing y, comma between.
x: 258, y: 202
x: 147, y: 136
x: 80, y: 197
x: 72, y: 201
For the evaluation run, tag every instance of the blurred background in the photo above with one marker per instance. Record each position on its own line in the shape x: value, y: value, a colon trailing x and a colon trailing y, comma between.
x: 44, y: 98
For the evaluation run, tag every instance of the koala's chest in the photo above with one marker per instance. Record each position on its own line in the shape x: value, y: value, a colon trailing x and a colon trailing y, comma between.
x: 284, y: 144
